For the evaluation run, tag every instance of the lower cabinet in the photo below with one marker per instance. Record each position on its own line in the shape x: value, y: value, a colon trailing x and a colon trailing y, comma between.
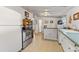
x: 67, y: 44
x: 50, y: 34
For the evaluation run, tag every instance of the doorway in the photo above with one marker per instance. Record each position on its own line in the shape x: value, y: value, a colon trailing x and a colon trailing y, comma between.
x: 40, y: 25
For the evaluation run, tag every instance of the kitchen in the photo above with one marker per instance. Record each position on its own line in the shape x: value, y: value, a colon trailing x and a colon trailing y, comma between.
x: 39, y: 29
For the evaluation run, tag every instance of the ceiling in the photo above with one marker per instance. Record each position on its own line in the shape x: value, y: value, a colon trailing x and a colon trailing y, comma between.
x: 48, y: 10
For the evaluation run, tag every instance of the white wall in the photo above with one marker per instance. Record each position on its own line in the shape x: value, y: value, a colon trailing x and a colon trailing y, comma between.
x: 35, y: 25
x: 21, y: 11
x: 53, y: 25
x: 70, y: 13
x: 50, y: 25
x: 9, y: 17
x: 17, y: 9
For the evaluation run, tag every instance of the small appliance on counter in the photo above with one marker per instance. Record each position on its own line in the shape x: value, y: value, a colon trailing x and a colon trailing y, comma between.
x: 27, y: 32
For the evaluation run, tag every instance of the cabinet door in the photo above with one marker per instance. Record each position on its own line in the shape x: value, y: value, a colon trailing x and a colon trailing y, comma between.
x: 68, y: 45
x: 53, y: 34
x: 50, y: 34
x: 77, y: 48
x: 46, y: 34
x: 60, y: 37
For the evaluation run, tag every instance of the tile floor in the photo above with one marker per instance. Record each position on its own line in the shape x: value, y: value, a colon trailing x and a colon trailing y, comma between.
x: 41, y: 45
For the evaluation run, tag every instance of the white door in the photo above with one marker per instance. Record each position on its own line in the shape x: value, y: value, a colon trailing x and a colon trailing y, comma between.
x: 40, y: 25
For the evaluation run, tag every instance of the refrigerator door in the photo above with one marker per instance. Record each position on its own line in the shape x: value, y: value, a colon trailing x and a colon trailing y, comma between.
x: 10, y: 38
x: 9, y: 17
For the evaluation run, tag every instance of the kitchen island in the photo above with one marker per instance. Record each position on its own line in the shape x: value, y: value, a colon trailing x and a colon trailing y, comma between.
x: 50, y: 33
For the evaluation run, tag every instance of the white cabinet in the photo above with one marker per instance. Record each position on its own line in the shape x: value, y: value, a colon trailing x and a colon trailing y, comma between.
x: 77, y: 48
x: 66, y: 43
x: 50, y: 34
x: 60, y: 37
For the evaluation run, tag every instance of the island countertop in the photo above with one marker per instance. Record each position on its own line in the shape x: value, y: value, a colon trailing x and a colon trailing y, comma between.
x: 72, y: 35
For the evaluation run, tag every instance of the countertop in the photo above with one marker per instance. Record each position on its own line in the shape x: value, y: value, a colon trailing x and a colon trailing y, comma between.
x: 72, y: 35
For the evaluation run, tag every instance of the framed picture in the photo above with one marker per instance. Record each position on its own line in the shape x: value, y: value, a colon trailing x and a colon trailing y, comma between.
x: 26, y: 14
x: 51, y: 21
x: 76, y: 16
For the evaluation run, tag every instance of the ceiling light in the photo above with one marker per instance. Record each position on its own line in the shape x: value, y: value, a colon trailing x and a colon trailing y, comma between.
x: 46, y: 10
x: 45, y: 13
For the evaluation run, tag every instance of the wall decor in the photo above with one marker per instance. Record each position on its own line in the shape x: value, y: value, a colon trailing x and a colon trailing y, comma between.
x: 26, y: 14
x: 76, y: 16
x: 51, y: 21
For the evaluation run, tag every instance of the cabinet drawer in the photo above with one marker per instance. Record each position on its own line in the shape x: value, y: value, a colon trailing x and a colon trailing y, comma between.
x: 60, y: 37
x: 69, y: 48
x: 77, y: 48
x: 69, y: 42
